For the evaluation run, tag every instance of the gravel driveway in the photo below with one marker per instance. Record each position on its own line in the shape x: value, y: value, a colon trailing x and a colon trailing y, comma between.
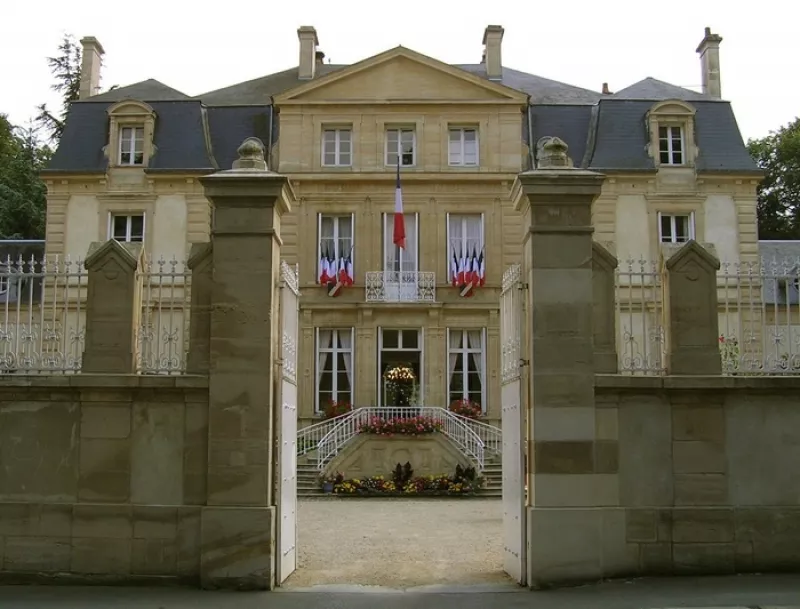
x: 399, y: 543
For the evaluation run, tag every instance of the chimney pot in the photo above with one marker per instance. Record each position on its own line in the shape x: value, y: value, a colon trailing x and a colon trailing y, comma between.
x: 91, y: 61
x: 493, y: 51
x: 320, y: 58
x: 709, y: 64
x: 307, y: 36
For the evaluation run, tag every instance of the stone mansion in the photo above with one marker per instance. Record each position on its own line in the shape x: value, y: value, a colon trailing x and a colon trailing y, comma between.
x: 129, y: 161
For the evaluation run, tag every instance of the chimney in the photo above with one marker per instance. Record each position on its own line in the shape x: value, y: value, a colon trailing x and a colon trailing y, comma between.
x: 307, y: 36
x: 709, y: 63
x: 92, y: 52
x: 320, y: 58
x: 493, y: 51
x: 606, y: 90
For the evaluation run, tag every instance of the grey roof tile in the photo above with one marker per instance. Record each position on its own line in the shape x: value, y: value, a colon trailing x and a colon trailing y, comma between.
x: 570, y: 123
x: 146, y: 91
x: 652, y: 88
x: 229, y: 126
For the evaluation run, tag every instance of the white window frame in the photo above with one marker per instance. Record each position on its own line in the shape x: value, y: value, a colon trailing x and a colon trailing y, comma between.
x: 466, y: 352
x: 339, y: 218
x: 462, y: 145
x: 129, y: 216
x: 672, y: 216
x: 128, y: 145
x: 337, y: 142
x: 399, y: 349
x: 334, y: 359
x: 451, y: 247
x: 669, y: 143
x: 399, y: 150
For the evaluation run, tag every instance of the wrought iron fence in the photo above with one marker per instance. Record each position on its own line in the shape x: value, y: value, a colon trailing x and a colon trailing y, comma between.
x: 400, y: 286
x: 163, y: 327
x: 760, y: 317
x: 640, y: 317
x: 42, y: 315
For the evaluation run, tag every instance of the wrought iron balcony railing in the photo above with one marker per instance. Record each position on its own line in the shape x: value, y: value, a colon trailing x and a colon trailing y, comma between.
x: 401, y: 286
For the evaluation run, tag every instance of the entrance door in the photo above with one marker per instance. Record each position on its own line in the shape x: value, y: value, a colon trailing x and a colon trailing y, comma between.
x: 400, y: 348
x: 286, y: 561
x: 513, y: 419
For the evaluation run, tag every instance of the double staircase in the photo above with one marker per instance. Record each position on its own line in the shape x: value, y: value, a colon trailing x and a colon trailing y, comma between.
x: 318, y: 444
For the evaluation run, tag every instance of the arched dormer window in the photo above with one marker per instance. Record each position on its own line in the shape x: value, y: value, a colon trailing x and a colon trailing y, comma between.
x: 130, y: 138
x: 672, y: 138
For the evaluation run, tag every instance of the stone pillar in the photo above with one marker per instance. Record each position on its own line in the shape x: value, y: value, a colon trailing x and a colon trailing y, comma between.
x: 604, y: 321
x: 112, y: 308
x: 200, y: 319
x: 692, y: 315
x: 574, y: 528
x: 238, y: 525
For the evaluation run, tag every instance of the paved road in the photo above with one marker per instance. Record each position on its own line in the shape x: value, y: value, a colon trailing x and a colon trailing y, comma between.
x: 744, y: 591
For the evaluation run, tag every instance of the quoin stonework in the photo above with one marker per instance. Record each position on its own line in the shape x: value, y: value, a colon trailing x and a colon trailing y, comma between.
x: 582, y: 267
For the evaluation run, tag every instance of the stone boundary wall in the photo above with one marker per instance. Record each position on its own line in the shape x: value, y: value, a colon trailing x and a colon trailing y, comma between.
x: 102, y: 477
x: 706, y: 480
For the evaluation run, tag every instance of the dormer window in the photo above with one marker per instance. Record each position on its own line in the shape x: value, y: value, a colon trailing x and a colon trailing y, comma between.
x: 672, y: 139
x: 130, y: 137
x: 670, y: 145
x: 131, y: 146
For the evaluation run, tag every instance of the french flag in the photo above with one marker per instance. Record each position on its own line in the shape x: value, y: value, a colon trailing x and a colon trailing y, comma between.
x: 399, y: 236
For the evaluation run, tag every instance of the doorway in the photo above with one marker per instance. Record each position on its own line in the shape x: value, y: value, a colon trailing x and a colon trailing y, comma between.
x: 400, y: 348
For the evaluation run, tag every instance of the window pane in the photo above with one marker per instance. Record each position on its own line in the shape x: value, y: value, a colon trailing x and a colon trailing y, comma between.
x: 410, y: 339
x: 329, y: 137
x: 392, y: 137
x: 137, y: 228
x: 665, y: 159
x: 407, y: 136
x: 329, y: 158
x: 344, y: 136
x: 666, y: 228
x: 120, y: 228
x: 470, y: 135
x: 663, y: 133
x: 391, y: 158
x: 138, y: 158
x: 390, y: 339
x: 677, y: 158
x: 455, y: 136
x: 681, y: 228
x: 344, y: 158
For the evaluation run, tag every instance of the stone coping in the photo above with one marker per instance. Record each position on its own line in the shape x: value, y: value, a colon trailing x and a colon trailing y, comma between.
x: 133, y: 381
x: 758, y: 383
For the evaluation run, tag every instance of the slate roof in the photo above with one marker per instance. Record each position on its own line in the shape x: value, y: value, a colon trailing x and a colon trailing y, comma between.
x: 150, y: 90
x: 201, y: 133
x: 652, y: 88
x: 781, y: 260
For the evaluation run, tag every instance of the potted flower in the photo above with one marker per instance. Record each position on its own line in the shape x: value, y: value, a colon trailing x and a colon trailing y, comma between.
x: 466, y: 408
x: 335, y: 408
x: 400, y: 382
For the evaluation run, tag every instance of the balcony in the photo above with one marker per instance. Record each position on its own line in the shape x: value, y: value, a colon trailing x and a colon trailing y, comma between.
x: 401, y: 286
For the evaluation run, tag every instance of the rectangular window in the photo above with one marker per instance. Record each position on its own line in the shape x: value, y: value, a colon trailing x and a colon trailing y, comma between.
x: 337, y: 147
x: 335, y: 246
x: 463, y: 147
x: 465, y: 243
x: 131, y: 146
x: 670, y: 145
x: 401, y: 143
x: 126, y: 227
x: 466, y: 366
x: 334, y: 358
x: 395, y: 258
x: 675, y: 228
x: 400, y: 348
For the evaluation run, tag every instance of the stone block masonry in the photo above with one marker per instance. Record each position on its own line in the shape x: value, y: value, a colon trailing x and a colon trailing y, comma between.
x: 102, y: 478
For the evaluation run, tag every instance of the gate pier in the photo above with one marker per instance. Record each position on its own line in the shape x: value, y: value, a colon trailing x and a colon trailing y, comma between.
x: 238, y: 522
x: 574, y: 530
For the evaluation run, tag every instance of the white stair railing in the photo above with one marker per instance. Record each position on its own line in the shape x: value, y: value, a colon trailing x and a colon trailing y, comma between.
x: 348, y: 426
x: 309, y: 437
x: 492, y: 436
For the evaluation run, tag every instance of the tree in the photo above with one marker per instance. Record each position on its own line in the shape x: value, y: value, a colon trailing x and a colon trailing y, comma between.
x: 778, y: 154
x: 66, y: 69
x: 23, y: 200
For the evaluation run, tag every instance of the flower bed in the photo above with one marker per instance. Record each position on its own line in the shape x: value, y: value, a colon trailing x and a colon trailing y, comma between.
x: 407, y: 426
x: 466, y: 408
x: 404, y: 483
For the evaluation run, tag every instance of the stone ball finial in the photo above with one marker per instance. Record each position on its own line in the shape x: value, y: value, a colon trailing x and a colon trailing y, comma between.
x: 552, y: 152
x: 251, y: 155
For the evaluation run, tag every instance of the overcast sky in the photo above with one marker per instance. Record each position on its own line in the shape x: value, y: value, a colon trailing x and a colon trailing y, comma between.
x: 195, y: 47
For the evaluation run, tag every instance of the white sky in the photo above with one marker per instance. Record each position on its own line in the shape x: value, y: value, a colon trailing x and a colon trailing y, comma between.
x: 195, y: 47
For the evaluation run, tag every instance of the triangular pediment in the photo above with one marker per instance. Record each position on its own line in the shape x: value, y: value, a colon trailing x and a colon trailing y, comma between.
x: 400, y: 75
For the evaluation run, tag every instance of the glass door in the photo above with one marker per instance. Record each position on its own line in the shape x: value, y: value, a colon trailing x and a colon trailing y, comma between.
x: 400, y: 367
